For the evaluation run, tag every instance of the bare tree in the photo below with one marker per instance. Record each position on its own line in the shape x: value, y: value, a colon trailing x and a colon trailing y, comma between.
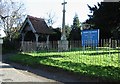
x: 50, y: 19
x: 11, y: 15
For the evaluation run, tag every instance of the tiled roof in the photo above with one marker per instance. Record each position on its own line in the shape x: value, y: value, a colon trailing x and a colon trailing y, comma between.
x: 39, y: 25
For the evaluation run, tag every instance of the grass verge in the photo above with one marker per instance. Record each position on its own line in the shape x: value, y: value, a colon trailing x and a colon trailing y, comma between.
x: 102, y: 64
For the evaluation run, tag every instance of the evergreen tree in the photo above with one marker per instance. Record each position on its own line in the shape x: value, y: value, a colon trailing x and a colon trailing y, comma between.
x: 106, y: 17
x: 75, y: 33
x: 56, y: 36
x: 76, y: 22
x: 67, y: 31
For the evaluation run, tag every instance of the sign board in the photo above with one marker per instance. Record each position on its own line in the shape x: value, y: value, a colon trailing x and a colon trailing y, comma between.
x: 2, y: 33
x: 1, y: 41
x: 90, y: 37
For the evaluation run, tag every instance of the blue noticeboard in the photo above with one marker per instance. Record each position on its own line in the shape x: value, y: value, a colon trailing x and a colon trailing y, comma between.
x: 90, y: 37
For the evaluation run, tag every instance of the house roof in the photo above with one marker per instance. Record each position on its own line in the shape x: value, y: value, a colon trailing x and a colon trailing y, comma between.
x: 38, y: 25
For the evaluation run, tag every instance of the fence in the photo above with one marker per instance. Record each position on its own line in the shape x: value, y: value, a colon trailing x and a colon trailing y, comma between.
x: 73, y: 45
x: 103, y: 59
x: 107, y: 47
x: 53, y: 46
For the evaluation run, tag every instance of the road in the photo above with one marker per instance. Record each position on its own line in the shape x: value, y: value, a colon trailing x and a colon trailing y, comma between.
x: 10, y: 74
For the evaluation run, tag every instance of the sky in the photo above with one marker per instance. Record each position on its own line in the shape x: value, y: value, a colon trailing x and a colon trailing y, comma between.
x: 40, y: 8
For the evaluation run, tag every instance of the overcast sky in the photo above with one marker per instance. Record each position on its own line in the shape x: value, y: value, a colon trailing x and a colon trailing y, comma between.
x: 40, y: 8
x: 111, y: 0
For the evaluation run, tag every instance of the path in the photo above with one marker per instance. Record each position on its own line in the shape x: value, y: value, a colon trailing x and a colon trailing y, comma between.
x: 10, y: 74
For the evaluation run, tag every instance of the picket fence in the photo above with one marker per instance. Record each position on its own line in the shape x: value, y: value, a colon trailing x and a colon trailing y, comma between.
x: 106, y: 54
x: 29, y: 46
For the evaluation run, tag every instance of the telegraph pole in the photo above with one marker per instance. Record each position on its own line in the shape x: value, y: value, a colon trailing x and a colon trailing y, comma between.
x: 63, y: 37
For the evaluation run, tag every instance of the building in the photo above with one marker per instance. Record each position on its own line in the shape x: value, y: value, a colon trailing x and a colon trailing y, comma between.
x: 33, y: 30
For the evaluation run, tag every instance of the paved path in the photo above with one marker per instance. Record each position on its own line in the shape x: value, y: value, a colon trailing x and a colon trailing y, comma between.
x: 10, y: 74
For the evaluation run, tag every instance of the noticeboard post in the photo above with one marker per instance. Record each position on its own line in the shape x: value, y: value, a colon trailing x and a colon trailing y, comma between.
x: 90, y: 38
x: 2, y: 35
x: 1, y: 41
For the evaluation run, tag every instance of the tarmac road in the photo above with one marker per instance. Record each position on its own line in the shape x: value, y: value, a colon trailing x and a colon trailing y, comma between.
x: 10, y: 74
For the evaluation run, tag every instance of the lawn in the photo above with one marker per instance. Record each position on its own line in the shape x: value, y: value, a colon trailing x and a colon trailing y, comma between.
x: 100, y: 63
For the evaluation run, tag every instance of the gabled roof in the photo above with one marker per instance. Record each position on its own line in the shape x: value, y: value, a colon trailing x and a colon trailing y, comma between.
x: 37, y: 25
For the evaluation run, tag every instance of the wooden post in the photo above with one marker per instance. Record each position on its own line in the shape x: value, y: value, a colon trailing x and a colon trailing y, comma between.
x: 36, y: 36
x: 1, y: 42
x: 47, y: 42
x: 2, y: 35
x: 22, y: 44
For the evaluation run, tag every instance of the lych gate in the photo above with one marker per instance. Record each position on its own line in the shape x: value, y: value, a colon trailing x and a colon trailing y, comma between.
x: 33, y: 30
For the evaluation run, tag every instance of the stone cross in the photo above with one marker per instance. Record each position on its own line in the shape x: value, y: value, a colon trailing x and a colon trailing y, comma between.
x: 63, y: 22
x: 63, y: 43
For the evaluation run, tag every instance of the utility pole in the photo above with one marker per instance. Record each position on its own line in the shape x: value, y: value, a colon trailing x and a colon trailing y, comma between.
x: 63, y: 37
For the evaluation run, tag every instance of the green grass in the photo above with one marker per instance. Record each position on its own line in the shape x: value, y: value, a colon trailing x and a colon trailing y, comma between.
x: 91, y: 63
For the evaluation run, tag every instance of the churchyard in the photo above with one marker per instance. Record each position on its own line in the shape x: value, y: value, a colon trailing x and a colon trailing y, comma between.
x: 89, y: 56
x: 76, y: 49
x: 103, y: 62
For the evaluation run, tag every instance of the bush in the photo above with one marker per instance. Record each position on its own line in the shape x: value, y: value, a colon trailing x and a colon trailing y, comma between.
x: 10, y: 46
